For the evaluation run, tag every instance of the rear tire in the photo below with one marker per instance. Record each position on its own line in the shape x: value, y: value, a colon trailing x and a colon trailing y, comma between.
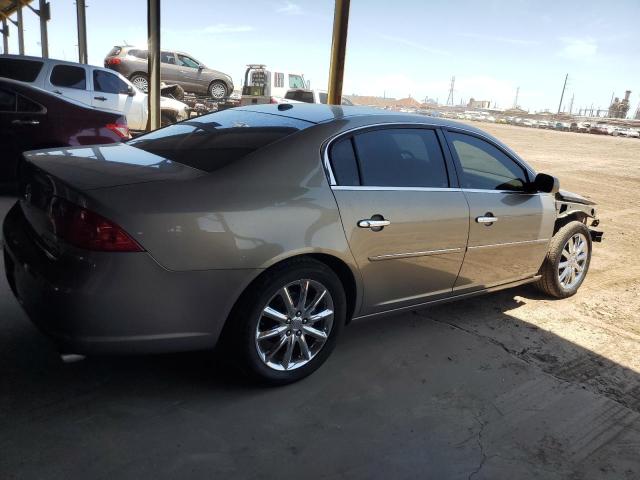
x: 567, y: 262
x: 141, y: 81
x: 287, y: 344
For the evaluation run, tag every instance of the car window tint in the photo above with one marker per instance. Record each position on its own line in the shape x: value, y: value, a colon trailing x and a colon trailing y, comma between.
x: 213, y: 141
x: 401, y: 157
x: 108, y: 83
x: 19, y: 69
x: 187, y: 62
x: 343, y: 163
x: 7, y: 101
x: 296, y: 81
x: 69, y: 77
x: 299, y: 95
x: 141, y: 54
x: 322, y: 97
x: 114, y: 51
x: 27, y: 106
x: 485, y: 166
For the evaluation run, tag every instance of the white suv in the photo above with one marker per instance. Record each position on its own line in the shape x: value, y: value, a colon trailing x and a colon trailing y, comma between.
x: 98, y: 87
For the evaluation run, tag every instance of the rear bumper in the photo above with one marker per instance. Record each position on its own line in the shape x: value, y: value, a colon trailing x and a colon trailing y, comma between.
x: 91, y: 302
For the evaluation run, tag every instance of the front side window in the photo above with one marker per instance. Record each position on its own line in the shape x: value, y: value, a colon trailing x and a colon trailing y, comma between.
x: 187, y: 61
x: 401, y: 157
x: 485, y: 167
x: 69, y: 77
x: 7, y: 101
x: 108, y: 83
x: 213, y: 141
x: 296, y: 81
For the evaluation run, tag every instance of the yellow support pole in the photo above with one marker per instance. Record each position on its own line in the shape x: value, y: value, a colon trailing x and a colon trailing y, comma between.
x: 338, y: 51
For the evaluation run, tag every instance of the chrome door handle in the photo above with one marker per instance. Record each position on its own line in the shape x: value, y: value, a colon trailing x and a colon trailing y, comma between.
x: 372, y: 223
x: 488, y: 218
x: 102, y: 99
x: 25, y: 122
x: 58, y: 92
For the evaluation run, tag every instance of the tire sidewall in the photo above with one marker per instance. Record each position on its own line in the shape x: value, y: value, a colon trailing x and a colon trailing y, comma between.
x: 226, y: 92
x: 573, y: 229
x: 262, y: 294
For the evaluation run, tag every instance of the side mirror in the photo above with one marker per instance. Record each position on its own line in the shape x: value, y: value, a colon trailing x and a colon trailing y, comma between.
x: 200, y: 67
x: 131, y: 91
x: 546, y: 183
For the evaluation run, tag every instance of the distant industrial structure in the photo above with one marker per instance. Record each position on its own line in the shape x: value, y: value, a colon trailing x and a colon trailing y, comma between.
x: 473, y: 103
x: 619, y: 108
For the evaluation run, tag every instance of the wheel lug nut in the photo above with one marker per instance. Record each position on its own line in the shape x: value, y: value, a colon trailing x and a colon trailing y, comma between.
x: 305, y: 320
x: 288, y: 320
x: 288, y: 332
x: 299, y: 332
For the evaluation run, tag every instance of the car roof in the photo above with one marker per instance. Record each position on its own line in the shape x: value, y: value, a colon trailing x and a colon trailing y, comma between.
x: 322, y: 113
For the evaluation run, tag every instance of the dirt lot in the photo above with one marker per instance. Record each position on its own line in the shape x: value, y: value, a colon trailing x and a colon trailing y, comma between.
x: 604, y: 317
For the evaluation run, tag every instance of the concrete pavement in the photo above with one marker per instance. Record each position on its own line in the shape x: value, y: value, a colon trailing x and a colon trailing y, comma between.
x: 409, y: 396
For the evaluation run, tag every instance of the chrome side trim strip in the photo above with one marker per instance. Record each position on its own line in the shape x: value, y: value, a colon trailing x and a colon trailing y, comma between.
x: 391, y: 256
x: 395, y: 189
x: 508, y: 244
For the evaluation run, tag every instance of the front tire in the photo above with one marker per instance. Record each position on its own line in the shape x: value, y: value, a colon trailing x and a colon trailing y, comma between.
x: 567, y: 262
x: 218, y: 90
x: 288, y: 322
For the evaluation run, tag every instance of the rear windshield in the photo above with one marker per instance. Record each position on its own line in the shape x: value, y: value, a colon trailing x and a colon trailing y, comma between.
x: 114, y: 51
x: 20, y: 69
x: 299, y: 95
x: 212, y: 141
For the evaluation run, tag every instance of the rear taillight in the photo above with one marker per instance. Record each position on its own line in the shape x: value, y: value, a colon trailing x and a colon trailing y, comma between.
x: 119, y: 129
x: 113, y: 61
x: 88, y: 230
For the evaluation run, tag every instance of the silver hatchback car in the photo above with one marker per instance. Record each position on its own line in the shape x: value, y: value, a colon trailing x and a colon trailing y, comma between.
x: 266, y: 229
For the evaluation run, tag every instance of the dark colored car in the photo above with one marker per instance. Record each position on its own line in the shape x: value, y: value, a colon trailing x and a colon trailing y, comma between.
x: 175, y: 68
x: 32, y: 119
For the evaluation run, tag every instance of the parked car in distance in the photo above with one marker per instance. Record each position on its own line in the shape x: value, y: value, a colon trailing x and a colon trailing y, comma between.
x: 628, y: 132
x: 267, y: 228
x: 93, y: 86
x: 31, y: 118
x: 175, y: 68
x: 311, y: 96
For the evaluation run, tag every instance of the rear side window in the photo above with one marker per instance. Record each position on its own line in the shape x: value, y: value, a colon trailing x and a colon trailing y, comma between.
x: 114, y: 51
x: 299, y: 95
x: 213, y: 141
x: 69, y: 77
x: 27, y: 106
x: 401, y: 157
x: 167, y: 57
x: 344, y: 164
x: 141, y: 54
x: 20, y: 69
x: 7, y: 101
x: 108, y: 83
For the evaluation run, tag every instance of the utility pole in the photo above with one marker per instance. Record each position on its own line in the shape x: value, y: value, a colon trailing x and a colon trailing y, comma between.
x: 571, y: 104
x: 450, y: 97
x: 515, y: 101
x: 82, y: 31
x: 562, y: 94
x: 338, y: 51
x: 44, y: 14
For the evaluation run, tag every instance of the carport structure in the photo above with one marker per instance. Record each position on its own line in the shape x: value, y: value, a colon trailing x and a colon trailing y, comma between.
x: 11, y: 7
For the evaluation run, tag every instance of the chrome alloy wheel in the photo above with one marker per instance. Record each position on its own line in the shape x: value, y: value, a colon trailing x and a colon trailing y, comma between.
x: 218, y: 91
x: 141, y: 83
x: 573, y: 259
x: 294, y: 325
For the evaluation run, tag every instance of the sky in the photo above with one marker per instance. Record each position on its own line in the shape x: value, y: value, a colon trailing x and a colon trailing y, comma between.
x: 397, y: 49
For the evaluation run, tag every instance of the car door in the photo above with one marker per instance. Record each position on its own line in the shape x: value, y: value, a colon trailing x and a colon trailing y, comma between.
x: 510, y: 226
x: 111, y: 93
x: 404, y: 217
x: 23, y: 126
x: 69, y: 81
x: 190, y: 73
x: 169, y: 71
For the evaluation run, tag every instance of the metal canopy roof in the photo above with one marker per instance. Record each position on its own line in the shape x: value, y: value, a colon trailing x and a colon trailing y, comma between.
x: 9, y: 7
